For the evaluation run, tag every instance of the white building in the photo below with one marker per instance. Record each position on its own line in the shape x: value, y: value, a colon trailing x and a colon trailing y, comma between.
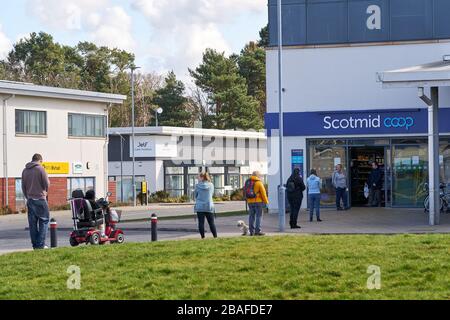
x: 336, y: 112
x: 170, y: 158
x: 67, y: 127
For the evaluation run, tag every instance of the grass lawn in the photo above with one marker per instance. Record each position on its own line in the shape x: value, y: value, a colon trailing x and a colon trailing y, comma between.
x: 295, y: 267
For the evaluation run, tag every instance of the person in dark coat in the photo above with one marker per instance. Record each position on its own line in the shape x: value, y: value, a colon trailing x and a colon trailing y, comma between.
x: 295, y: 187
x: 375, y: 185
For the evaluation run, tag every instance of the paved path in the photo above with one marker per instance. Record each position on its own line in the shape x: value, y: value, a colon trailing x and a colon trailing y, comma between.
x: 356, y: 221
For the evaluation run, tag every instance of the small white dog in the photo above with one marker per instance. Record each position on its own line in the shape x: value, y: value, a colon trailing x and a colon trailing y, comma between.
x: 244, y: 227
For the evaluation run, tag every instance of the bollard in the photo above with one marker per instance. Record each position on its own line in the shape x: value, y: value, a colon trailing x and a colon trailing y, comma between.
x: 154, y: 227
x: 53, y: 233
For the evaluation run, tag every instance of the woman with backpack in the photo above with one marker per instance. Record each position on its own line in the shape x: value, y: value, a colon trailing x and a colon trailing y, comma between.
x: 204, y: 204
x: 295, y: 187
x: 314, y: 195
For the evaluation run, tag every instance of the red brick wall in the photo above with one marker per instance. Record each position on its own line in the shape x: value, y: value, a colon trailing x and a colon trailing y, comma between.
x: 112, y: 189
x: 11, y: 195
x: 57, y: 193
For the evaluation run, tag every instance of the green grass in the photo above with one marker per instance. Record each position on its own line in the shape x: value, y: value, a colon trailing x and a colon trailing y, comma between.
x: 295, y: 267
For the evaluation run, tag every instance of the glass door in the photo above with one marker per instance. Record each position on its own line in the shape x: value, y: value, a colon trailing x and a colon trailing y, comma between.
x: 324, y: 159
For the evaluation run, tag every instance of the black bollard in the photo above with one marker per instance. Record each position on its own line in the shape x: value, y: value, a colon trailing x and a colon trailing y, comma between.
x: 53, y: 233
x: 154, y: 227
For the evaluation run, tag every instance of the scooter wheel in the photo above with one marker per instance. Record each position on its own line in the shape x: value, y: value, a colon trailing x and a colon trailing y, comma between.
x: 120, y: 238
x: 95, y: 239
x: 73, y: 242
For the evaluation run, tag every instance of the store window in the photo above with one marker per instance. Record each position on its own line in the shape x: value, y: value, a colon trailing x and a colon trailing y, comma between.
x: 174, y: 181
x: 445, y: 162
x: 324, y: 160
x: 409, y: 175
x: 83, y: 184
x: 83, y: 125
x: 124, y: 187
x: 218, y: 179
x: 20, y: 198
x: 31, y: 122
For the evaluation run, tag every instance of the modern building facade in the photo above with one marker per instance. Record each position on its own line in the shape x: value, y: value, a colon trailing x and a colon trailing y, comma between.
x: 170, y: 159
x: 68, y: 127
x: 336, y: 112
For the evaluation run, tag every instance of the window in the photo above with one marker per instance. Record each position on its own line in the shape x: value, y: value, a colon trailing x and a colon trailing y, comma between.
x: 174, y: 181
x: 84, y: 125
x: 31, y: 122
x: 83, y: 184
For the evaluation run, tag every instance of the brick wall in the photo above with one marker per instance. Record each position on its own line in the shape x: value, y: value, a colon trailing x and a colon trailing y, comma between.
x: 11, y: 195
x: 57, y: 193
x: 113, y: 190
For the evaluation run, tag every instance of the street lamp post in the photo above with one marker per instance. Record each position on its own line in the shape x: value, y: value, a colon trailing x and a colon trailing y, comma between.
x: 133, y: 68
x: 281, y: 188
x: 158, y: 111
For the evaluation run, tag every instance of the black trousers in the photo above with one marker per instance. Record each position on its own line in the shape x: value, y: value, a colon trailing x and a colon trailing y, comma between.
x: 201, y: 223
x: 295, y: 205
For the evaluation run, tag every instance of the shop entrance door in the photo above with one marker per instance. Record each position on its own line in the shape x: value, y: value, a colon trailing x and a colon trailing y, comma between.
x: 361, y: 159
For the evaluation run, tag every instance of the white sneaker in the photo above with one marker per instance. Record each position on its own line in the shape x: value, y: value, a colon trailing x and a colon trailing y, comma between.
x: 46, y: 247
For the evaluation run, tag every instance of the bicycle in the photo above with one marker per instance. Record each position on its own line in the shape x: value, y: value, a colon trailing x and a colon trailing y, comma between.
x: 444, y: 199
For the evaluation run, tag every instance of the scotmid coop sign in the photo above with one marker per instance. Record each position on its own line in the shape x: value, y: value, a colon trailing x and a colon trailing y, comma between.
x: 318, y: 22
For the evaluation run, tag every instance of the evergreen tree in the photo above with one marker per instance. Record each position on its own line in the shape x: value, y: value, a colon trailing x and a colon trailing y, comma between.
x: 173, y: 102
x: 230, y: 105
x: 264, y: 37
x: 252, y: 67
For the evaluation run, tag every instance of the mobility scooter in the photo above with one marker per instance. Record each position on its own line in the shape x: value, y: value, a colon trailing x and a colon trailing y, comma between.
x: 94, y: 222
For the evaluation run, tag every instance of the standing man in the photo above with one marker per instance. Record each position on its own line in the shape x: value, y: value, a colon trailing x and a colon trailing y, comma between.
x: 375, y: 184
x: 340, y: 184
x: 35, y: 184
x: 256, y: 196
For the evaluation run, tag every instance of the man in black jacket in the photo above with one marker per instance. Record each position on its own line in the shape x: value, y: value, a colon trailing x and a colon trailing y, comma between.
x: 375, y: 185
x: 295, y: 187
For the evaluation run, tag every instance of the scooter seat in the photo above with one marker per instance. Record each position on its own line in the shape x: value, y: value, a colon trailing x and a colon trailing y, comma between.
x: 90, y: 224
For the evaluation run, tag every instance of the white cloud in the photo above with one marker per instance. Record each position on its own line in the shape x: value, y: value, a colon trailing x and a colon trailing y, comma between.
x: 5, y: 44
x: 107, y: 24
x: 183, y: 29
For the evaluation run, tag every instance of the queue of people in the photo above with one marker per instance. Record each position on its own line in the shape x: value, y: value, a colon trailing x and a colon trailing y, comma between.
x: 36, y: 183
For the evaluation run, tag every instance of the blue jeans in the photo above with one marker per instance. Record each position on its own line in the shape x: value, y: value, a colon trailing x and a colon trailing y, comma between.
x: 38, y: 220
x: 341, y: 193
x: 314, y: 203
x: 255, y: 216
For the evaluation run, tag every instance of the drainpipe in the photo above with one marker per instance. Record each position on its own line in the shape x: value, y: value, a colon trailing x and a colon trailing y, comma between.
x: 105, y: 152
x: 5, y: 150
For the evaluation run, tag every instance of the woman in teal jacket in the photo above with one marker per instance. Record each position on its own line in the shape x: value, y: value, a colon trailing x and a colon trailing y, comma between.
x: 204, y: 204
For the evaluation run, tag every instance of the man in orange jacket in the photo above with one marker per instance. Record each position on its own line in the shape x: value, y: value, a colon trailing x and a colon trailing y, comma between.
x: 256, y: 196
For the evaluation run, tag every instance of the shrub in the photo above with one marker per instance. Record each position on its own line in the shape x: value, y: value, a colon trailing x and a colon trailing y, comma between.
x: 5, y: 211
x: 237, y: 195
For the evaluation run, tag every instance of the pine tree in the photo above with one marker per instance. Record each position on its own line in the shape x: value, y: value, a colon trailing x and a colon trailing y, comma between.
x: 231, y: 106
x: 173, y: 102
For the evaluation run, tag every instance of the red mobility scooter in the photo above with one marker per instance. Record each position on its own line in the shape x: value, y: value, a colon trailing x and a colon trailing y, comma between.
x: 94, y: 222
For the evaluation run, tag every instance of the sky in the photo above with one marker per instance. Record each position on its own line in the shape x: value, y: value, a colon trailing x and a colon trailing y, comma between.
x: 164, y: 34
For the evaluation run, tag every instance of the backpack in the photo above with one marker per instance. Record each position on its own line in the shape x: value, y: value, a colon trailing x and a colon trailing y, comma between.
x: 249, y: 189
x: 290, y: 187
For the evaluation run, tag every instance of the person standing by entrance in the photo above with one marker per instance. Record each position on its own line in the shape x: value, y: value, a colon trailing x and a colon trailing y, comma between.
x: 35, y: 184
x: 295, y: 187
x: 375, y: 184
x: 204, y: 204
x: 314, y: 195
x: 340, y: 184
x: 256, y: 196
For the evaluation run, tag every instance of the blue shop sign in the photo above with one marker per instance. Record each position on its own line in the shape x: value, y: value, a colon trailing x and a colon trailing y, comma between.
x: 404, y: 121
